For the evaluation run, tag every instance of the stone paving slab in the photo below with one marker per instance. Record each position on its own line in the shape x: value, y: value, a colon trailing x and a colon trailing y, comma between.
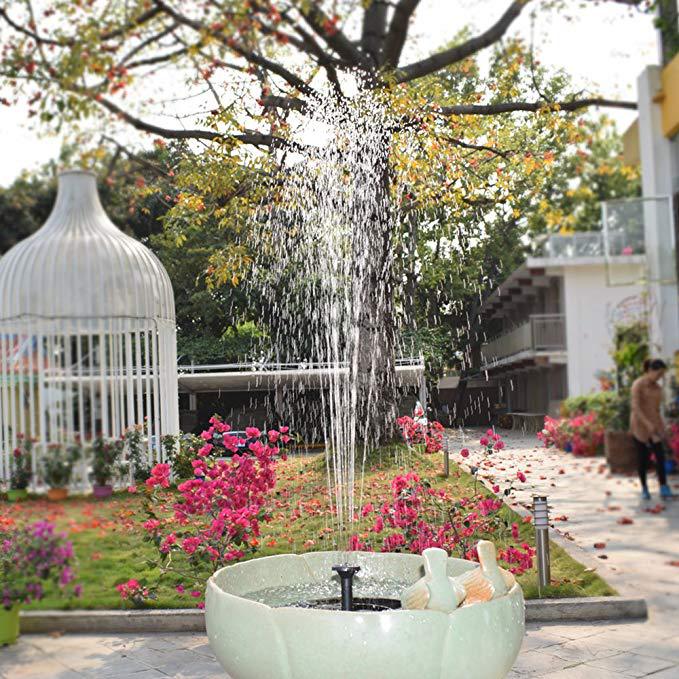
x: 571, y: 651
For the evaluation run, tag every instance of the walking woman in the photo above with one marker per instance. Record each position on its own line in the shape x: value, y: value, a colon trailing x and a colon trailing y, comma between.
x: 647, y: 424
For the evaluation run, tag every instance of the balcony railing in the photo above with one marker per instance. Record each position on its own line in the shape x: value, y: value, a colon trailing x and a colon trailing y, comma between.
x: 541, y: 333
x: 593, y: 244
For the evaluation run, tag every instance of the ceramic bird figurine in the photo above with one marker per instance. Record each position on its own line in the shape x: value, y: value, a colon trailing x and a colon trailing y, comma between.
x: 435, y: 591
x: 488, y: 581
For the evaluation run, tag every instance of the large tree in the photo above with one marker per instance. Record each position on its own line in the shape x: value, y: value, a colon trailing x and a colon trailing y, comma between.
x: 261, y: 61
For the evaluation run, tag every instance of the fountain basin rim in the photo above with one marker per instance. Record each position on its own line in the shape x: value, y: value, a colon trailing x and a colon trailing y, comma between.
x: 514, y: 592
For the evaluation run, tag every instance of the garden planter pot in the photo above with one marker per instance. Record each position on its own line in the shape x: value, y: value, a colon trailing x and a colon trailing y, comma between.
x: 621, y: 452
x: 9, y: 625
x: 102, y: 491
x: 57, y: 494
x: 16, y: 495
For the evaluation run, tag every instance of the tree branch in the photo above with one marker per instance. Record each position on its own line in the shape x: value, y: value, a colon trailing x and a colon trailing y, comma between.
x: 455, y: 54
x: 398, y: 32
x: 374, y: 30
x: 477, y: 147
x: 251, y: 57
x: 533, y: 107
x: 322, y: 26
x: 285, y: 103
x: 69, y: 42
x: 252, y: 138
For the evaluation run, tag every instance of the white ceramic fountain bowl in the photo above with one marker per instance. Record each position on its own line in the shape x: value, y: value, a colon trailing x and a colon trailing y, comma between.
x: 256, y: 641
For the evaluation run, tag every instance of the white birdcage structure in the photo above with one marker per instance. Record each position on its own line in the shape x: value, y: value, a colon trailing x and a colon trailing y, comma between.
x: 87, y: 332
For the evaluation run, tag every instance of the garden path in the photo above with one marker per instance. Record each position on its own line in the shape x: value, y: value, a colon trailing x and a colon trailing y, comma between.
x: 593, y: 651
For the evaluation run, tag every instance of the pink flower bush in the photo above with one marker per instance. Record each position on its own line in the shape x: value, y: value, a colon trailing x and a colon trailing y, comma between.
x: 418, y: 516
x: 216, y: 516
x: 134, y: 591
x: 673, y: 439
x: 415, y: 433
x: 583, y: 434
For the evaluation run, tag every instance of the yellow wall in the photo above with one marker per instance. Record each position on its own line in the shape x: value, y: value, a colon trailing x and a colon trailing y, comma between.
x: 630, y: 141
x: 670, y: 98
x: 669, y: 103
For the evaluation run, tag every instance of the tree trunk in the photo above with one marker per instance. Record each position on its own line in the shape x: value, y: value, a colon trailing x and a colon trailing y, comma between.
x: 668, y: 17
x: 373, y: 352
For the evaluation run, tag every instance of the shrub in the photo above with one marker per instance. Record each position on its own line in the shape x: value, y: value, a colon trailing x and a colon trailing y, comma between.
x: 555, y: 432
x: 216, y: 517
x: 21, y: 473
x: 133, y: 439
x: 106, y: 454
x: 416, y: 433
x: 185, y: 452
x: 673, y: 439
x: 418, y: 516
x: 610, y: 407
x: 32, y: 556
x: 58, y: 462
x: 582, y: 434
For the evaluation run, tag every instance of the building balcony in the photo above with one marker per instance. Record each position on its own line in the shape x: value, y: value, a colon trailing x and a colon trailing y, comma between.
x: 585, y: 244
x: 541, y: 335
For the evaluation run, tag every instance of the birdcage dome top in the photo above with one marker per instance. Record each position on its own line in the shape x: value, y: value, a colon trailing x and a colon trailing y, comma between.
x: 79, y: 265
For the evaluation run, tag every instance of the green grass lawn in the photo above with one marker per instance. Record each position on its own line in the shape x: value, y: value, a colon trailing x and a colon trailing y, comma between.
x: 108, y: 538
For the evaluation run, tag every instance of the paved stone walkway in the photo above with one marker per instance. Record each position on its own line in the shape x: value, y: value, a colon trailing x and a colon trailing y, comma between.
x: 638, y: 563
x: 595, y: 651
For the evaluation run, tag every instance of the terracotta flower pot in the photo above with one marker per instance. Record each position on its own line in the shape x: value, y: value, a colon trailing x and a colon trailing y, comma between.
x: 17, y: 494
x: 102, y: 492
x: 621, y: 452
x: 9, y: 625
x: 57, y: 494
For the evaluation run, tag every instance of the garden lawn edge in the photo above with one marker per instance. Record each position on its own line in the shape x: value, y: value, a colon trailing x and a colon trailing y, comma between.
x: 581, y: 609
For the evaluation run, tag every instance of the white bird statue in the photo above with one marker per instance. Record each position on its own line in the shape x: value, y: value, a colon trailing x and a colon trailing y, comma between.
x: 487, y: 582
x: 435, y: 591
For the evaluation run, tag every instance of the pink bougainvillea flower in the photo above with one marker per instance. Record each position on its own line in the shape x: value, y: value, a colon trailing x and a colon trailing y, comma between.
x: 252, y: 432
x: 464, y: 452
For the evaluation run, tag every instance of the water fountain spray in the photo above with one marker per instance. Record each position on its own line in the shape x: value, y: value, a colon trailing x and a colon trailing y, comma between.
x: 325, y: 273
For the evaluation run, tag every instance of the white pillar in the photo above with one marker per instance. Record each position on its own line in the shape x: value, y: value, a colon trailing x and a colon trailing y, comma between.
x: 660, y: 177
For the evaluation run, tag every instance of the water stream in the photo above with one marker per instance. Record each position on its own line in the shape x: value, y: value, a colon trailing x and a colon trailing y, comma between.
x: 325, y: 268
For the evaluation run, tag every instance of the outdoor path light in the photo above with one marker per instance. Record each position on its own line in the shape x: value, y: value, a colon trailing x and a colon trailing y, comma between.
x: 541, y: 522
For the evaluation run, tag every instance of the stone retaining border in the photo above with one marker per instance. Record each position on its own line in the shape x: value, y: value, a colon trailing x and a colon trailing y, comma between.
x: 586, y: 609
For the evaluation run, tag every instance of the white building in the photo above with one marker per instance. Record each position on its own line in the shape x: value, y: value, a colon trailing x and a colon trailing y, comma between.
x: 551, y: 324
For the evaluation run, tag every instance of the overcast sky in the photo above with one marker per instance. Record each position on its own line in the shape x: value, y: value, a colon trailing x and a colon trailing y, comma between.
x: 604, y: 49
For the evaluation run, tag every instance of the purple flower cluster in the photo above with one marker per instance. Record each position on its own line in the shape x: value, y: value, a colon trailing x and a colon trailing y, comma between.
x: 33, y: 556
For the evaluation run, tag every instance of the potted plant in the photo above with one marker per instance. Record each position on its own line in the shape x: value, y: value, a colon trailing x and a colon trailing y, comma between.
x: 57, y: 468
x: 20, y: 474
x: 106, y: 455
x: 32, y: 556
x: 134, y: 441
